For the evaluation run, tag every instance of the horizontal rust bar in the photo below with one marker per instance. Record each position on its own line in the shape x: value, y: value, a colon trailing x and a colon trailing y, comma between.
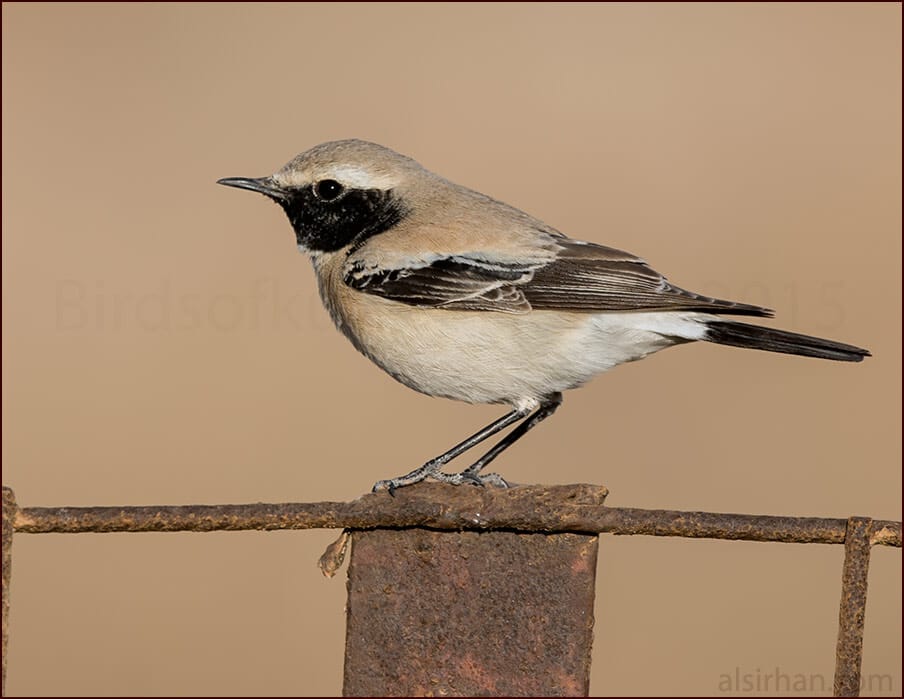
x: 534, y: 508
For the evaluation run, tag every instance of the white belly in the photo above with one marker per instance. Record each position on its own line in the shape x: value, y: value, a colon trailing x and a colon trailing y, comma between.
x: 485, y: 357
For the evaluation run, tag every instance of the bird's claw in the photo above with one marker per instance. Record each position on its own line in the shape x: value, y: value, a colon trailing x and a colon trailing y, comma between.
x: 390, y: 486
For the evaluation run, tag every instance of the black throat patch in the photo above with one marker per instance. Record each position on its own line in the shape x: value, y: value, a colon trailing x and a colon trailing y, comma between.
x: 327, y: 226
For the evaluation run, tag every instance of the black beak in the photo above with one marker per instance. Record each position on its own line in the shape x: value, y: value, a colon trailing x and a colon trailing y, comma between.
x: 264, y: 185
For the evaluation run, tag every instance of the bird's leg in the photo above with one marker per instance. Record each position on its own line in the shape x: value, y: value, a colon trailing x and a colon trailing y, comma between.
x: 470, y: 474
x: 432, y: 467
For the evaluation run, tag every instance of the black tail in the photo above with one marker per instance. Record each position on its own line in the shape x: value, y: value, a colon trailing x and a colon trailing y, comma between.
x: 727, y: 332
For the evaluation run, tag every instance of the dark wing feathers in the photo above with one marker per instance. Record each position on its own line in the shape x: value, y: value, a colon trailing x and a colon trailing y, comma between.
x: 451, y: 283
x: 601, y: 285
x: 583, y: 277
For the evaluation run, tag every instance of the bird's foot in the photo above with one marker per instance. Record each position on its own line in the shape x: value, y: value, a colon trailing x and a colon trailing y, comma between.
x: 421, y: 474
x: 467, y: 476
x: 416, y: 476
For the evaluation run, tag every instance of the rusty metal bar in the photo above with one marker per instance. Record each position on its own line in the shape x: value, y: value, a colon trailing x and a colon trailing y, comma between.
x: 566, y: 508
x: 849, y: 651
x: 575, y: 509
x: 9, y: 514
x: 495, y: 613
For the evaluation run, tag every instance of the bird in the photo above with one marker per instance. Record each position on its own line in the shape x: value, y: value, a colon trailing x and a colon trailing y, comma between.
x: 458, y: 295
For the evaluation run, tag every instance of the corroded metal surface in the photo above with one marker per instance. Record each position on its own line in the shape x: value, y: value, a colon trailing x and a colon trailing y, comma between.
x: 715, y: 525
x: 436, y: 505
x: 565, y: 508
x: 849, y: 651
x: 469, y: 613
x: 532, y: 510
x: 9, y: 513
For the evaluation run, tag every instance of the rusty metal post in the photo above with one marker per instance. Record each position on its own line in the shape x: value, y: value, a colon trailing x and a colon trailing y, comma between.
x: 467, y: 613
x: 849, y: 651
x: 9, y: 517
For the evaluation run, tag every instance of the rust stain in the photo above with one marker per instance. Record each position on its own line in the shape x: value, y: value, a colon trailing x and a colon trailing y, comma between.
x: 473, y: 614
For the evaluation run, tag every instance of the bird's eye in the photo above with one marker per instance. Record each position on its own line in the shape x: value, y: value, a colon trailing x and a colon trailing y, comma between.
x: 328, y: 189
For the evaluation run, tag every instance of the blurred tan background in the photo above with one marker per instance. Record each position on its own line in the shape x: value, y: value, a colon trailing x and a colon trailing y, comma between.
x: 163, y: 342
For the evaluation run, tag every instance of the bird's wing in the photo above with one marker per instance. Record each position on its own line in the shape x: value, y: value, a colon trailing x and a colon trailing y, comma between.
x: 588, y: 277
x: 459, y: 282
x: 580, y: 277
